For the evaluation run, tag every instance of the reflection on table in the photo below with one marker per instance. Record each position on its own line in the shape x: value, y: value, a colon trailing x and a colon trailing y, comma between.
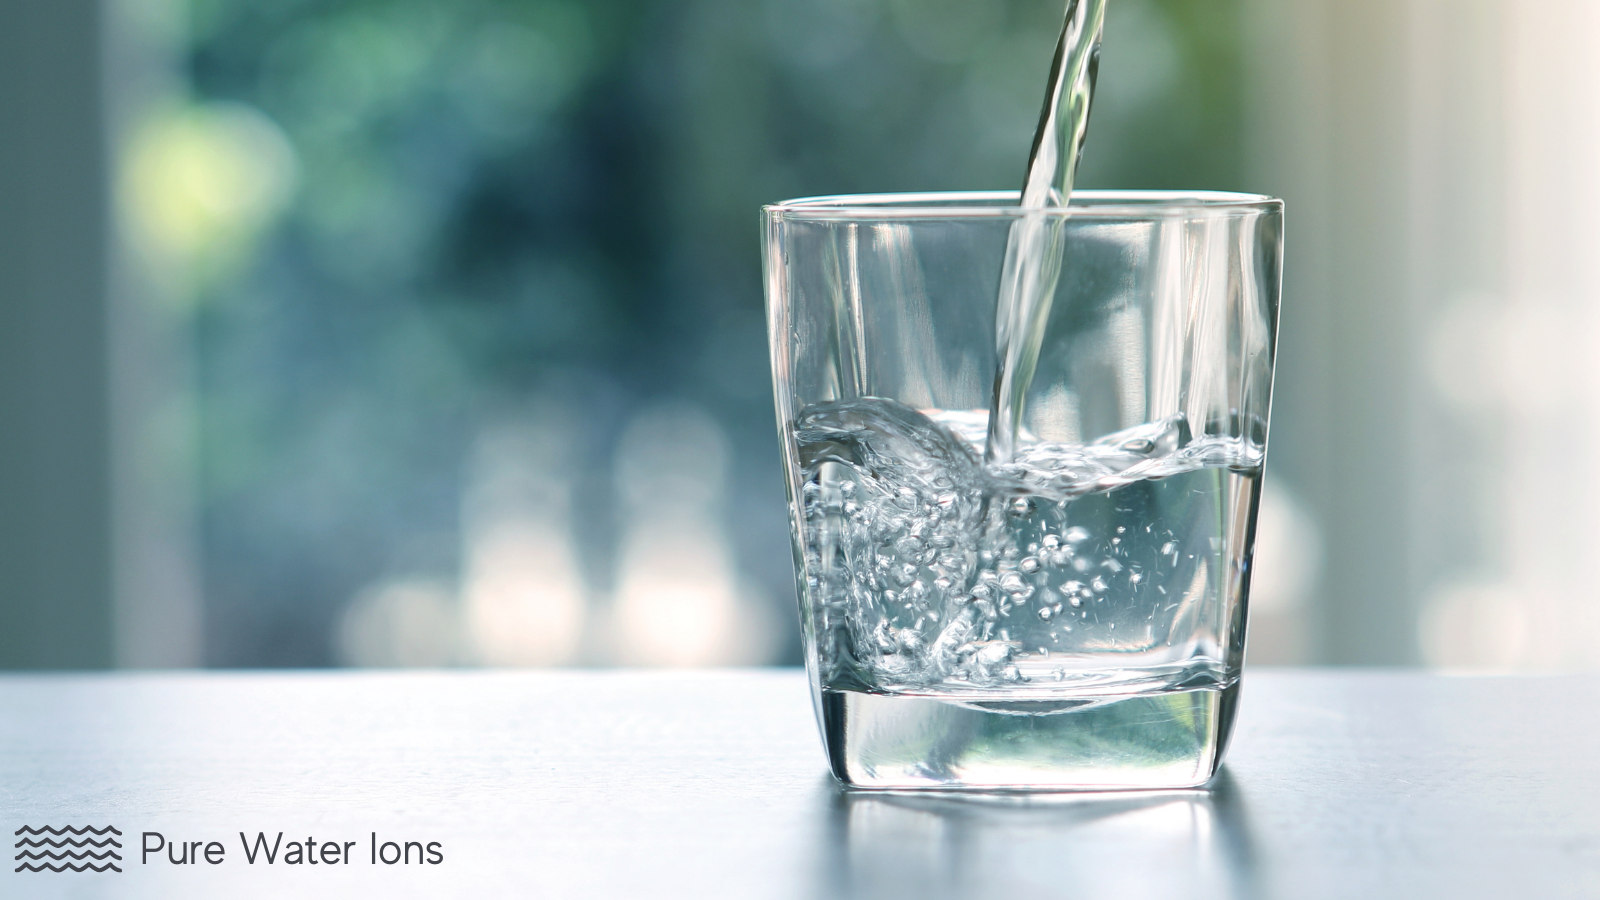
x: 1175, y: 843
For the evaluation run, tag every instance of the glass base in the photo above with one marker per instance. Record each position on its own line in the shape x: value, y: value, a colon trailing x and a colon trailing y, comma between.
x: 1172, y: 739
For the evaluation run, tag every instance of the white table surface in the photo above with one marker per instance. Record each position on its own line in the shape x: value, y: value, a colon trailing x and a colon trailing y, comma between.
x: 1340, y: 783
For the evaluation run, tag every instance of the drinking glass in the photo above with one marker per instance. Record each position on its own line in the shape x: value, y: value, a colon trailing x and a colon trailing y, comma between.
x: 1065, y: 608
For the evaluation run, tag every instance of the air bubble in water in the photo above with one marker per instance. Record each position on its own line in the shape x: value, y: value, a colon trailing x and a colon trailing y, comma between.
x: 993, y: 654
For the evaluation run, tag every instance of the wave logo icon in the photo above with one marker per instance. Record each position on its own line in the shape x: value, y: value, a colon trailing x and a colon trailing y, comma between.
x: 82, y: 849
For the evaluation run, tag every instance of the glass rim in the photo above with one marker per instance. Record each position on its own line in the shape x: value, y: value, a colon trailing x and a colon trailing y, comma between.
x: 1107, y: 204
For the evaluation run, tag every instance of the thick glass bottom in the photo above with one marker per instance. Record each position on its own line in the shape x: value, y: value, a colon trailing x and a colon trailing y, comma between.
x: 1169, y: 739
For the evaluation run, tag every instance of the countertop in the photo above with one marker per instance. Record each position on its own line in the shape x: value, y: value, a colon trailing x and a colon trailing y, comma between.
x: 1339, y: 783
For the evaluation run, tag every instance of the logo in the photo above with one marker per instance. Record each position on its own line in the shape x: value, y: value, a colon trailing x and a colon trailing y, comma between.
x: 82, y: 849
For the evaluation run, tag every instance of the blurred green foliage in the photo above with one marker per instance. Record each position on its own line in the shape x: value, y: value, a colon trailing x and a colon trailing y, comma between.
x: 496, y: 203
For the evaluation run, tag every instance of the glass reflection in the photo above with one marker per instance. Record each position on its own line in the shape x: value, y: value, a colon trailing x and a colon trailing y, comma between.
x: 1171, y: 843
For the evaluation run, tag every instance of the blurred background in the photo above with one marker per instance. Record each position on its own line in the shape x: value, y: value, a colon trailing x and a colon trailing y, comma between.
x: 415, y: 332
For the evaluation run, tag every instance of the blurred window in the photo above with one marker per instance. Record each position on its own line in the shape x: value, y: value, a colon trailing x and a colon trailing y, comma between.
x: 467, y: 297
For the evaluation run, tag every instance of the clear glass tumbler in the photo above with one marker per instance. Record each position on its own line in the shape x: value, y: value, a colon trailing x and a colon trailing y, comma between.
x: 1066, y: 611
